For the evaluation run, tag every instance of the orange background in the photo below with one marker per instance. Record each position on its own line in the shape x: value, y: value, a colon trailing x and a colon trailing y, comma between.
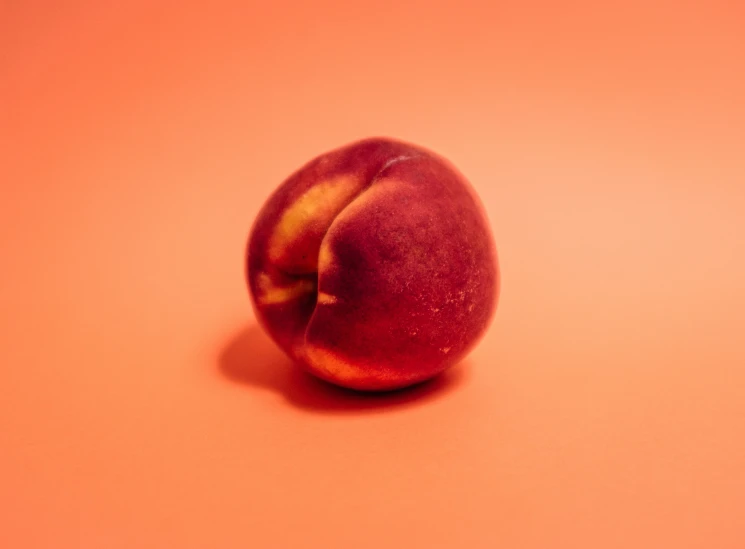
x: 141, y: 406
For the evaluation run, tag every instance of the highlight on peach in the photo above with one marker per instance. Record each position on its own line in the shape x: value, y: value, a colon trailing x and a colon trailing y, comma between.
x: 373, y: 266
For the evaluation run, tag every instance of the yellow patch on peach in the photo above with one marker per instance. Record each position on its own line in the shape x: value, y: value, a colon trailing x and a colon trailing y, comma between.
x: 318, y: 206
x: 331, y: 364
x: 270, y: 293
x: 325, y: 256
x: 326, y: 299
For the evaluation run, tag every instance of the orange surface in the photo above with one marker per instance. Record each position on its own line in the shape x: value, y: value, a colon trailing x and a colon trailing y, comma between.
x: 141, y: 406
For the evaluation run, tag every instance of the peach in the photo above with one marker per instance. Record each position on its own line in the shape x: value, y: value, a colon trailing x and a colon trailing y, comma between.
x: 373, y: 266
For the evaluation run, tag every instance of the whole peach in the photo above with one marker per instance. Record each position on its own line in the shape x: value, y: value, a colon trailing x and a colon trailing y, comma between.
x: 373, y: 265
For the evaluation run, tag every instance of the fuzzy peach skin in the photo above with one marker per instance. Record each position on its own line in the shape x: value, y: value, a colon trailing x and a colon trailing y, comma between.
x: 373, y: 266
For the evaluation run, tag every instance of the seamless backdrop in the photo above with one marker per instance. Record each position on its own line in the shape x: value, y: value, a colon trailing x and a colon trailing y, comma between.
x: 140, y: 406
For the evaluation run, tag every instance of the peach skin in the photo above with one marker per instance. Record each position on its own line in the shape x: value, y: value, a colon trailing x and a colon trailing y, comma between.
x: 373, y: 266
